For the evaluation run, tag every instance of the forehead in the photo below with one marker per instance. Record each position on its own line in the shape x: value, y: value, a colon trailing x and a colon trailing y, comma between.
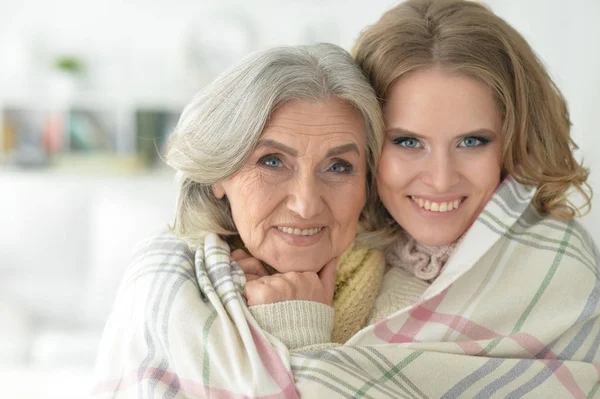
x: 435, y: 99
x: 299, y: 118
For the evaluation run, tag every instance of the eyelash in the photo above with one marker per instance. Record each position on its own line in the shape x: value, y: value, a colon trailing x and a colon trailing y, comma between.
x: 271, y: 157
x: 482, y: 141
x: 347, y: 168
x: 402, y: 140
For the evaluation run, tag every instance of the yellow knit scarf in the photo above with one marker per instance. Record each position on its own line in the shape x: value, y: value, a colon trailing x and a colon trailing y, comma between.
x: 358, y: 278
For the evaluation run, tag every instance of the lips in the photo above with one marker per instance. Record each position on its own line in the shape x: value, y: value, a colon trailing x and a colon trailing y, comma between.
x: 300, y: 232
x: 437, y: 206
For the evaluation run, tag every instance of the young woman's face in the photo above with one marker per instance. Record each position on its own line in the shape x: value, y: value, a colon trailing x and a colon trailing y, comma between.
x: 297, y: 201
x: 440, y: 163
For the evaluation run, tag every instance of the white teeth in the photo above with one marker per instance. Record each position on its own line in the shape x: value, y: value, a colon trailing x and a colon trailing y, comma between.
x: 298, y: 232
x: 436, y: 206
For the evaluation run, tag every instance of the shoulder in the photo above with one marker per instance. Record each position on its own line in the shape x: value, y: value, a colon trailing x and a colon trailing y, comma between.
x: 551, y: 229
x: 161, y: 248
x: 566, y: 240
x: 162, y: 240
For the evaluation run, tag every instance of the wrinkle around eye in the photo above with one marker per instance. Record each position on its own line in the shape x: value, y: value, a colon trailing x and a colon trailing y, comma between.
x: 268, y: 175
x: 270, y: 158
x: 341, y: 163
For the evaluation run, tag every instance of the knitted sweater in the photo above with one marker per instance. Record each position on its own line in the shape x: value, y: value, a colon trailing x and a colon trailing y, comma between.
x: 305, y: 325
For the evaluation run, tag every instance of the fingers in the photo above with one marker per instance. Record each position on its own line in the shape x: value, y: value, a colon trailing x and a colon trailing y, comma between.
x: 252, y: 292
x: 250, y: 265
x: 239, y: 254
x: 272, y: 289
x: 262, y: 288
x: 304, y: 286
x: 327, y: 273
x: 252, y: 277
x: 327, y: 277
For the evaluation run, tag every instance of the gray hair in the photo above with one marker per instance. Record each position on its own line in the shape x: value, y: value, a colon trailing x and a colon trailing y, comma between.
x: 219, y: 129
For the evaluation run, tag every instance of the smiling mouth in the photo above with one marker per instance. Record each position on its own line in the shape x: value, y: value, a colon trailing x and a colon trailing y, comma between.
x: 300, y: 232
x: 435, y: 206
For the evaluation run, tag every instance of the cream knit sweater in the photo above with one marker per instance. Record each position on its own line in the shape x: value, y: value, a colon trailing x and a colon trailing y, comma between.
x: 304, y: 325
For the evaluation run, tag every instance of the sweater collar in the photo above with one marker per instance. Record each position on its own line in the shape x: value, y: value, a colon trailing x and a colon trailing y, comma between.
x: 422, y: 261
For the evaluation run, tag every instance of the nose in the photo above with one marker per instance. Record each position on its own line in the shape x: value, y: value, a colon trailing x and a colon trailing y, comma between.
x: 305, y: 197
x: 441, y: 172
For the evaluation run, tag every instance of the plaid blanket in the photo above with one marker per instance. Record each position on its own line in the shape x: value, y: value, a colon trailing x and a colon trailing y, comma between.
x: 513, y: 314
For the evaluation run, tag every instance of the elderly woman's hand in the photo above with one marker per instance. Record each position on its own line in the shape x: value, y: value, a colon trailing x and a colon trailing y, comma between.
x: 262, y: 288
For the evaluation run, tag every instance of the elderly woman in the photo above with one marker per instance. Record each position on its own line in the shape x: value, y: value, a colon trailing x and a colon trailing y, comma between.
x: 492, y: 287
x: 274, y: 163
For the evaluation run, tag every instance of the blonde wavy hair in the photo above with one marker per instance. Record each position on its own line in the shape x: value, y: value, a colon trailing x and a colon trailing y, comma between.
x: 467, y: 38
x: 219, y: 129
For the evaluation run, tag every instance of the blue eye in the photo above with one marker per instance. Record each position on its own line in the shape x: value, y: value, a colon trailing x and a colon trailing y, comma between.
x: 473, y: 142
x: 270, y: 161
x: 341, y: 167
x: 407, y: 142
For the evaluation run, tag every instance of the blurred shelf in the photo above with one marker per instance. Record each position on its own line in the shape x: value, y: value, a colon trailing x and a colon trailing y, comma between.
x: 91, y: 100
x: 85, y: 137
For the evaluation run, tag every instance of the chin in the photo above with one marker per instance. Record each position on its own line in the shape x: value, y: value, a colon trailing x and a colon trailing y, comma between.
x: 435, y: 240
x: 298, y: 264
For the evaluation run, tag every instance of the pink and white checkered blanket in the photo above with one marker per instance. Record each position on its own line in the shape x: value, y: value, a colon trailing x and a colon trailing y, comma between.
x: 513, y: 314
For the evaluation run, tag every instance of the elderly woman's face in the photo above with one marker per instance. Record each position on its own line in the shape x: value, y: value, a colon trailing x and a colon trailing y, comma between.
x: 441, y: 159
x: 297, y: 201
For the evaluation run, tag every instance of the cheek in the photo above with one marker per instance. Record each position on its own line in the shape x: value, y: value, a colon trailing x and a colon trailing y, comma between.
x: 346, y: 223
x: 356, y: 202
x: 250, y: 200
x: 392, y: 172
x: 485, y: 176
x: 347, y: 203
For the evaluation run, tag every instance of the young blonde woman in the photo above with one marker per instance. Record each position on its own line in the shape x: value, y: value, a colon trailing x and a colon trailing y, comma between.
x: 492, y: 287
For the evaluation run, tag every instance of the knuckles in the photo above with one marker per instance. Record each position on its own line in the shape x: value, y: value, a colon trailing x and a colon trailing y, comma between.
x: 284, y: 287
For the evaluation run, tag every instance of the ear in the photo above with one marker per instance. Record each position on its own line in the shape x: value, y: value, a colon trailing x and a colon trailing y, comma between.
x: 218, y: 190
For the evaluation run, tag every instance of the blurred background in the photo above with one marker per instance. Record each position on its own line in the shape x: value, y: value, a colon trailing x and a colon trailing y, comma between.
x: 90, y: 90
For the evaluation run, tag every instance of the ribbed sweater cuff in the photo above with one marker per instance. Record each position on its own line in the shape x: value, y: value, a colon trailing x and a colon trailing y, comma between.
x: 296, y: 323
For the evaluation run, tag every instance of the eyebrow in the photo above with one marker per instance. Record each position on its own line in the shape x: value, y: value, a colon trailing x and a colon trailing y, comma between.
x: 476, y: 132
x: 342, y: 149
x: 276, y: 144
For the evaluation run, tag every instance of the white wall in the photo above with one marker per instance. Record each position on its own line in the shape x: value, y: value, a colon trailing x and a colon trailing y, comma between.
x: 566, y: 35
x: 138, y: 49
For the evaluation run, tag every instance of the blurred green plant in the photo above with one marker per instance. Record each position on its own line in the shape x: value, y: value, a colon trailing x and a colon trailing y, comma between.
x: 69, y: 64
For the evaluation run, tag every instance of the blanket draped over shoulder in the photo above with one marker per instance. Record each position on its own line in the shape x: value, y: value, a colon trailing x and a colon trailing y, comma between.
x: 514, y: 313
